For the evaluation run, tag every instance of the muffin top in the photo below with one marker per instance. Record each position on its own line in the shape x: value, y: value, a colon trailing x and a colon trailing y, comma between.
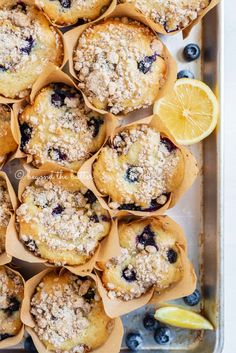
x: 5, y: 212
x: 121, y: 65
x: 7, y: 142
x: 149, y: 257
x: 68, y: 313
x: 11, y: 296
x: 138, y: 169
x: 172, y: 14
x: 59, y: 128
x: 61, y: 220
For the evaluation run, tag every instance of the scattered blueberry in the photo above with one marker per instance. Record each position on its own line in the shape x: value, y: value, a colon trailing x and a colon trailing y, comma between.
x: 95, y: 123
x: 191, y: 52
x: 91, y: 198
x: 129, y: 275
x: 130, y: 206
x: 56, y: 154
x: 168, y: 144
x: 66, y: 4
x: 29, y: 45
x: 185, y: 74
x: 172, y: 256
x: 26, y: 132
x: 4, y: 336
x: 145, y: 65
x: 150, y: 323
x: 14, y: 305
x: 89, y: 296
x: 147, y: 237
x: 134, y: 341
x: 162, y: 335
x: 29, y: 345
x: 57, y: 100
x: 132, y: 174
x: 105, y: 219
x: 94, y: 218
x: 193, y: 299
x: 31, y: 245
x: 2, y: 68
x: 58, y: 210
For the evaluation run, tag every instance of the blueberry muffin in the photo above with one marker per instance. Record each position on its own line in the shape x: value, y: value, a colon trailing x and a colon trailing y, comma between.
x: 7, y: 141
x: 11, y: 296
x: 121, y: 65
x: 5, y: 213
x: 172, y: 14
x: 66, y: 12
x: 69, y: 315
x: 59, y: 128
x: 149, y: 257
x: 60, y: 220
x: 28, y: 43
x: 138, y: 169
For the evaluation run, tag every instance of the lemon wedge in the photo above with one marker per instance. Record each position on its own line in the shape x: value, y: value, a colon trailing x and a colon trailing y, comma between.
x: 176, y: 316
x: 190, y: 111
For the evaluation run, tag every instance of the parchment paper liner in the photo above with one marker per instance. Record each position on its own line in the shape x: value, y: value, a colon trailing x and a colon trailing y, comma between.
x: 71, y: 39
x: 110, y: 8
x: 190, y: 172
x: 186, y: 286
x: 64, y: 60
x: 112, y: 345
x: 51, y: 75
x: 6, y: 257
x: 16, y: 247
x: 12, y: 341
x: 159, y: 28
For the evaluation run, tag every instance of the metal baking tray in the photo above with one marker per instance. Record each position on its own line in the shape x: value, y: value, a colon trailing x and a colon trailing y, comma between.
x: 199, y: 212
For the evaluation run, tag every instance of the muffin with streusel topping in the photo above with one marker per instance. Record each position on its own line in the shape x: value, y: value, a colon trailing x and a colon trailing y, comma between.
x: 68, y: 313
x: 173, y: 15
x: 66, y: 12
x: 7, y: 141
x: 11, y: 296
x: 60, y: 220
x: 5, y: 213
x: 28, y: 43
x: 121, y: 65
x: 149, y: 258
x: 139, y: 169
x: 59, y: 128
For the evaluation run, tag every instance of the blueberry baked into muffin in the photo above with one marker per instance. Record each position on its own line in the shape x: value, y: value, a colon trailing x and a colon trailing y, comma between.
x: 28, y: 43
x: 11, y: 296
x: 7, y: 141
x: 5, y: 213
x: 59, y: 128
x: 69, y: 315
x: 60, y: 220
x: 121, y: 65
x: 66, y: 12
x: 149, y: 257
x: 138, y: 169
x: 172, y: 14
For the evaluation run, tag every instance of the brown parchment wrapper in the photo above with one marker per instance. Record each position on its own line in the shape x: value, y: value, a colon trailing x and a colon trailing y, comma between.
x: 52, y: 74
x: 112, y: 345
x: 190, y: 171
x: 6, y: 257
x: 16, y: 248
x: 71, y: 39
x: 13, y: 341
x: 186, y: 286
x: 160, y: 28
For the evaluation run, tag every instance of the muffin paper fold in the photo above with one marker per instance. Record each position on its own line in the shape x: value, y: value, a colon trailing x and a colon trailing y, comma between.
x: 190, y: 171
x: 113, y: 343
x: 12, y: 341
x: 10, y: 232
x: 185, y: 286
x: 72, y: 36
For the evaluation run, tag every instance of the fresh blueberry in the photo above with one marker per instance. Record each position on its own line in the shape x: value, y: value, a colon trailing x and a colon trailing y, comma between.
x: 56, y: 154
x: 162, y: 335
x: 2, y: 68
x: 89, y: 296
x: 28, y: 46
x: 26, y: 132
x: 95, y: 123
x: 91, y: 198
x: 94, y: 218
x: 185, y: 74
x: 129, y: 275
x: 172, y: 256
x: 150, y: 323
x: 4, y: 336
x: 147, y: 237
x: 193, y: 299
x: 29, y: 345
x: 14, y: 305
x: 134, y: 341
x: 191, y: 52
x: 145, y: 65
x: 66, y: 4
x: 168, y: 144
x: 58, y: 210
x: 132, y: 174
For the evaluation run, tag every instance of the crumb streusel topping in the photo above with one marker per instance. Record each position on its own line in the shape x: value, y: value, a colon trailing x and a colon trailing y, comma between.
x: 5, y: 212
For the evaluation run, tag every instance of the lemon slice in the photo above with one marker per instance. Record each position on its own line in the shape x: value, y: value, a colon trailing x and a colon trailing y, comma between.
x: 179, y: 317
x: 190, y: 111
